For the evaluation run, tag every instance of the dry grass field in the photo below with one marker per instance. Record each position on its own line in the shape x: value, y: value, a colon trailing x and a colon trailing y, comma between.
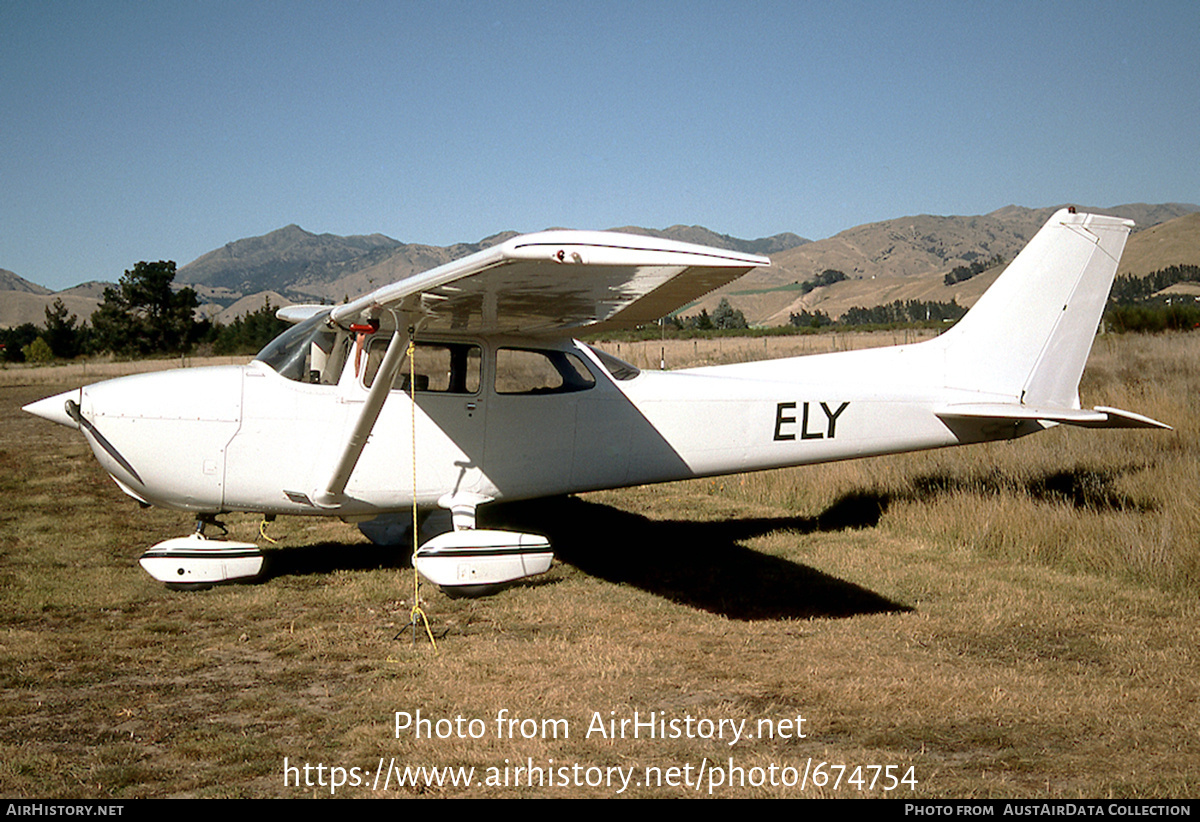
x: 1009, y: 620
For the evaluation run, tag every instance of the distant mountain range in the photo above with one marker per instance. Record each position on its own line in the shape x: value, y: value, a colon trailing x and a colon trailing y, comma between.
x: 314, y: 267
x: 11, y: 282
x: 24, y: 302
x: 907, y: 259
x: 904, y: 258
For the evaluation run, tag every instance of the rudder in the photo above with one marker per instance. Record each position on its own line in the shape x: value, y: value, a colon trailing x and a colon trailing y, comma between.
x: 1028, y: 337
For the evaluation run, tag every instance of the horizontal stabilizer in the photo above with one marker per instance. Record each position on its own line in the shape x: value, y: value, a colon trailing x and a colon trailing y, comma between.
x: 1098, y: 417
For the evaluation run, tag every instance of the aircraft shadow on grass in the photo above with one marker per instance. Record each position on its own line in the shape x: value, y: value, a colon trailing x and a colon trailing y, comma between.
x: 699, y: 564
x: 703, y: 564
x: 1083, y: 488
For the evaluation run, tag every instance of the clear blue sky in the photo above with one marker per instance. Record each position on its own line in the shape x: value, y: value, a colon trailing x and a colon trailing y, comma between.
x: 162, y: 130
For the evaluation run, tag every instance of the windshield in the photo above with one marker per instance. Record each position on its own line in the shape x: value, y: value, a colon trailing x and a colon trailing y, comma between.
x: 304, y: 353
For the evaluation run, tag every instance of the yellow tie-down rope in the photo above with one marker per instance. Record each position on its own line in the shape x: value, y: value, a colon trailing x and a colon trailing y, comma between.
x: 412, y: 394
x: 262, y: 530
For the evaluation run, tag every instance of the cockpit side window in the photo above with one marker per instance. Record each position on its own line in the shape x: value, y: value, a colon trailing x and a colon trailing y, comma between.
x: 448, y: 368
x: 310, y: 352
x: 528, y: 371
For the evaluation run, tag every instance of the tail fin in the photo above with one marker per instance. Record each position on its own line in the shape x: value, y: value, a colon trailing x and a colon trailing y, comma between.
x: 1023, y: 346
x: 1029, y: 336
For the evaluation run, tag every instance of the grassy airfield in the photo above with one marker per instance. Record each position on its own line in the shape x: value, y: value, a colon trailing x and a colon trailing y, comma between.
x: 1008, y: 620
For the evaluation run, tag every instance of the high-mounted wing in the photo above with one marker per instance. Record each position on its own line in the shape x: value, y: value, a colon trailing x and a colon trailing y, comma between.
x: 555, y: 281
x: 534, y: 284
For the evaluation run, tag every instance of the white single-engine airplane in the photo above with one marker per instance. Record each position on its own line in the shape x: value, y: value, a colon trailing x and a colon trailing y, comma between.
x: 509, y: 406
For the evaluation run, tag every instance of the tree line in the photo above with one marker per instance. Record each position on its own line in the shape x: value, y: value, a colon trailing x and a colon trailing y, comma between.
x: 1128, y: 288
x: 1132, y: 305
x: 961, y: 273
x: 724, y: 318
x: 143, y: 315
x: 900, y: 312
x: 827, y: 277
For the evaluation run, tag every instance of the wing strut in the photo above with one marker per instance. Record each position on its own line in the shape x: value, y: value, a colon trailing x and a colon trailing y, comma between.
x: 333, y: 495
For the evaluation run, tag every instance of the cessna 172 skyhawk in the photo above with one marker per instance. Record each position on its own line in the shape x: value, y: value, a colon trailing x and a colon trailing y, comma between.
x: 509, y: 406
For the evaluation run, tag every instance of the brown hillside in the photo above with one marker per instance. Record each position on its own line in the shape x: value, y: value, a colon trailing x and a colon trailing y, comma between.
x: 12, y: 282
x: 18, y: 307
x: 907, y: 258
x: 246, y: 305
x: 1176, y: 242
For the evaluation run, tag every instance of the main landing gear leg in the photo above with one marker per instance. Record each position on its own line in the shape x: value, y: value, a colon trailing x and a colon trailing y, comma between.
x: 205, y: 520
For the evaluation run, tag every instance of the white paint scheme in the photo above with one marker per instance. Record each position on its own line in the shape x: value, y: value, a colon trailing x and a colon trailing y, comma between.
x: 467, y: 560
x: 198, y: 562
x: 246, y: 438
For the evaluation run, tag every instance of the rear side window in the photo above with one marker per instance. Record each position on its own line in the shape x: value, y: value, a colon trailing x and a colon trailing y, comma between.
x: 528, y: 371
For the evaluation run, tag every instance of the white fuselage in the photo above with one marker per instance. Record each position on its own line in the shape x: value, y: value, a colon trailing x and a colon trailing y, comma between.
x: 322, y: 423
x: 245, y: 438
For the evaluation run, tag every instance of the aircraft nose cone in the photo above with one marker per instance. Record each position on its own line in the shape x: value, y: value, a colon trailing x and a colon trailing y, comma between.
x: 55, y: 408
